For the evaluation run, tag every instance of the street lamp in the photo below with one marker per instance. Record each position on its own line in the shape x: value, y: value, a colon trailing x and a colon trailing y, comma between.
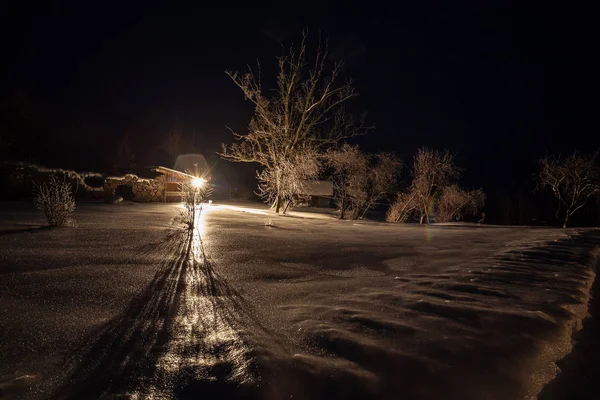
x: 198, y: 182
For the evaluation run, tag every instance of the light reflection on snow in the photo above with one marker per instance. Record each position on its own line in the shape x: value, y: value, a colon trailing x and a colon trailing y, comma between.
x: 242, y: 209
x: 204, y: 343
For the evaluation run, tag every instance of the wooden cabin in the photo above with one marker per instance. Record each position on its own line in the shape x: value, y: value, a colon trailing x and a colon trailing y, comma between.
x: 173, y: 179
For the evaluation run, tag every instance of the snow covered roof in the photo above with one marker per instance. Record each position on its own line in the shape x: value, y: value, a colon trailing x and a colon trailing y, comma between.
x: 320, y: 188
x: 169, y: 171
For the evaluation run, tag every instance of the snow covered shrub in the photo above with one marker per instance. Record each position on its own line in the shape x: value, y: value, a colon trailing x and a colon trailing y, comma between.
x: 193, y: 197
x: 432, y: 195
x: 360, y: 180
x: 55, y: 200
x: 455, y: 203
x: 432, y: 172
x: 404, y: 206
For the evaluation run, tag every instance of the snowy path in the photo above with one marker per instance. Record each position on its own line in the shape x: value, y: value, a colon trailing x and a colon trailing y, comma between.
x: 303, y: 308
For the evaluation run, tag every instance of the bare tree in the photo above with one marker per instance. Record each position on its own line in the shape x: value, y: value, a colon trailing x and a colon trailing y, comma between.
x: 454, y: 203
x: 382, y: 179
x: 573, y: 181
x: 349, y: 176
x: 360, y: 180
x: 432, y: 171
x: 432, y: 194
x: 290, y: 178
x: 305, y: 111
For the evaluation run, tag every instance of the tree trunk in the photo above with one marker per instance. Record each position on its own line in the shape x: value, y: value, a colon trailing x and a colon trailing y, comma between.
x: 277, y: 204
x: 286, y: 206
x: 343, y: 207
x: 566, y: 219
x: 424, y: 214
x: 366, y: 209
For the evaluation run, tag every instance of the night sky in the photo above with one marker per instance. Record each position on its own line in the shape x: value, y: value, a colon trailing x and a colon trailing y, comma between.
x: 499, y: 83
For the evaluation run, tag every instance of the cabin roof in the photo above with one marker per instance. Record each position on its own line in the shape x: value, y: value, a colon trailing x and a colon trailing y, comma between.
x: 169, y: 171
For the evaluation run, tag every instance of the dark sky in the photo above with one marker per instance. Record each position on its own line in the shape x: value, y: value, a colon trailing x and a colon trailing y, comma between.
x: 499, y: 83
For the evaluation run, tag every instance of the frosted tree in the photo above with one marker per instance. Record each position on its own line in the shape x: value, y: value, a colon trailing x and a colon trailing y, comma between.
x: 573, y: 180
x: 432, y: 194
x: 432, y: 171
x: 349, y: 169
x: 404, y: 207
x: 303, y: 115
x: 454, y: 203
x: 361, y: 180
x: 290, y: 178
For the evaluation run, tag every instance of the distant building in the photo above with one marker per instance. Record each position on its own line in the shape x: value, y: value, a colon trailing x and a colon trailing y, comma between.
x: 321, y: 193
x: 172, y: 183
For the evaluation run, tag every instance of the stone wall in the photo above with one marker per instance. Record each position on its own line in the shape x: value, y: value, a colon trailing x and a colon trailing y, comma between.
x: 20, y: 179
x: 144, y: 190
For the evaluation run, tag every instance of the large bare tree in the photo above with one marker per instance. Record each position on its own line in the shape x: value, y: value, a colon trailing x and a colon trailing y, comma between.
x: 304, y: 114
x: 573, y: 181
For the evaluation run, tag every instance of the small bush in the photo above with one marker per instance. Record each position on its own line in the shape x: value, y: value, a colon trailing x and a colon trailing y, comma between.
x: 456, y: 203
x: 403, y: 208
x: 193, y: 200
x: 55, y: 200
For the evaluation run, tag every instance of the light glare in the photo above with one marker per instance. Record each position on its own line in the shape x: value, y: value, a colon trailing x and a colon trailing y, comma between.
x: 198, y: 182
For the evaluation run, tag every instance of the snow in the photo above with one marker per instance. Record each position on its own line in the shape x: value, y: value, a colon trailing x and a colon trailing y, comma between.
x: 311, y: 308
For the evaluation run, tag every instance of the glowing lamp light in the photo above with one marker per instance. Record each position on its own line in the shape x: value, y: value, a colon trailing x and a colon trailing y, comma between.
x: 198, y: 182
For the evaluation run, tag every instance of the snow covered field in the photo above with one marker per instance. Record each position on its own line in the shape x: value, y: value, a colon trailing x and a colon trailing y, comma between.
x: 252, y: 305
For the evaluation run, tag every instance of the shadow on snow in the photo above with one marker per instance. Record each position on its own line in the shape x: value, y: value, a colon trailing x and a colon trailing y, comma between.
x: 182, y: 336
